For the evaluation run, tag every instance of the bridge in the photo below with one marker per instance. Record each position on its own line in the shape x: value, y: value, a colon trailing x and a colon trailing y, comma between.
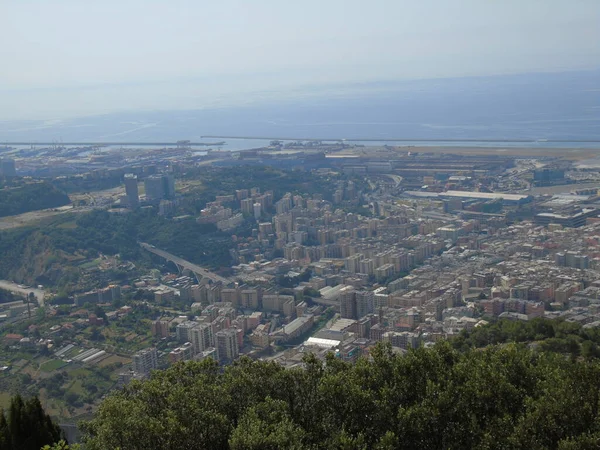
x: 182, y: 265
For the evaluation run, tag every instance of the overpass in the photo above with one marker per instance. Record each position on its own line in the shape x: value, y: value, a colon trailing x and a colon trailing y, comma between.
x: 182, y: 265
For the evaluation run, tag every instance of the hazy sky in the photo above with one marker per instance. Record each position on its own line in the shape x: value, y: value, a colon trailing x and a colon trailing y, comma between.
x: 62, y: 58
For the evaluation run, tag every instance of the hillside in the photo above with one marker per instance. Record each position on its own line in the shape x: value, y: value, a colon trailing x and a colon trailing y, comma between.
x: 30, y: 197
x: 558, y: 336
x: 49, y: 253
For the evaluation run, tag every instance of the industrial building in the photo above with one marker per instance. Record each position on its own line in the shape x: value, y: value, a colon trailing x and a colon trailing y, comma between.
x: 515, y: 199
x: 574, y: 218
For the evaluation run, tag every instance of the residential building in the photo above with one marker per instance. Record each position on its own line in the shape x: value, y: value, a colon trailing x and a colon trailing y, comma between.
x: 201, y: 337
x: 160, y: 328
x: 7, y: 167
x: 131, y: 191
x: 226, y: 342
x: 364, y: 303
x: 183, y: 353
x: 183, y: 331
x: 145, y: 360
x: 348, y: 304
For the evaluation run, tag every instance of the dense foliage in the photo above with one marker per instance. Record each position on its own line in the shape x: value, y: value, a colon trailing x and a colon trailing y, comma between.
x: 45, y: 253
x: 227, y: 180
x: 546, y: 335
x: 108, y: 233
x: 30, y: 197
x: 40, y: 255
x: 500, y: 397
x: 26, y: 426
x: 76, y: 183
x: 7, y: 296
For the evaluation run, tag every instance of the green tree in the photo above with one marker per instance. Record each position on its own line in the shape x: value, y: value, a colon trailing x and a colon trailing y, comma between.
x: 5, y: 439
x: 96, y: 334
x: 61, y: 445
x: 430, y: 398
x: 267, y: 426
x: 26, y: 426
x: 100, y: 313
x: 189, y: 413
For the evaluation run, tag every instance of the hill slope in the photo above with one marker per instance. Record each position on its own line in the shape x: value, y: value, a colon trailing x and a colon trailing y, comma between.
x: 30, y: 197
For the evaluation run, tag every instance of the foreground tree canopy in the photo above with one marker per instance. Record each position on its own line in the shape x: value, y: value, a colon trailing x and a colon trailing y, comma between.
x: 496, y: 398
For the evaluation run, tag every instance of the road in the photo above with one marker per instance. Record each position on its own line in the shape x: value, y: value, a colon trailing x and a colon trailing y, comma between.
x: 185, y: 264
x: 13, y: 287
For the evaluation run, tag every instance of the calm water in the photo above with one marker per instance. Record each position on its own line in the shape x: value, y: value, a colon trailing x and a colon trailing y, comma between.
x: 563, y: 106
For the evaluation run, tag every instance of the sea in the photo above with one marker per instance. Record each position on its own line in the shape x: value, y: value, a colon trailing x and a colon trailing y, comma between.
x: 524, y: 110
